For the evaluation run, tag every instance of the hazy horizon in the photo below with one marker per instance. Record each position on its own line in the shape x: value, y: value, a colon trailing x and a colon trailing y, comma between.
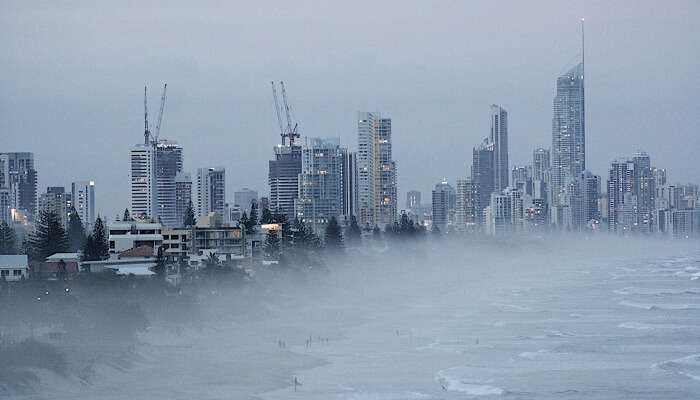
x: 72, y: 90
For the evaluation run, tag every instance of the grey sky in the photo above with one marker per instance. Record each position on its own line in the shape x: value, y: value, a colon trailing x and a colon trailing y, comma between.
x: 73, y: 75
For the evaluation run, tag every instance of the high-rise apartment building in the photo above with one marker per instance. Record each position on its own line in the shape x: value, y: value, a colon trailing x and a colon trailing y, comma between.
x: 620, y: 187
x: 385, y: 174
x: 321, y: 183
x: 143, y: 193
x: 444, y: 204
x: 540, y: 164
x: 483, y: 175
x: 211, y: 191
x: 183, y: 196
x: 366, y: 200
x: 350, y: 185
x: 376, y: 181
x: 644, y: 189
x: 83, y: 201
x: 499, y: 138
x: 168, y: 163
x: 19, y: 176
x: 590, y: 192
x: 467, y: 200
x: 283, y: 178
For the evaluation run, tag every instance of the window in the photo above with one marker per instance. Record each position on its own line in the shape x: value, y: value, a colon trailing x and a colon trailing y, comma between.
x: 17, y: 272
x: 4, y: 272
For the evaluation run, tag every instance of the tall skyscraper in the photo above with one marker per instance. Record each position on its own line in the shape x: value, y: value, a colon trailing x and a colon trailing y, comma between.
x: 83, y: 200
x: 483, y: 174
x: 19, y: 176
x: 283, y: 178
x: 183, y: 196
x: 244, y: 197
x: 350, y: 185
x: 321, y: 183
x: 590, y: 192
x: 385, y: 173
x: 620, y: 187
x: 444, y: 204
x: 568, y: 130
x: 366, y: 136
x: 540, y: 164
x: 211, y: 191
x: 168, y: 164
x: 413, y: 199
x: 466, y: 213
x: 377, y: 189
x: 499, y: 138
x: 644, y: 189
x: 143, y: 193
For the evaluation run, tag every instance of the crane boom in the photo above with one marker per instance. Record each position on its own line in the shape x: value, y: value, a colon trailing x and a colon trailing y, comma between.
x: 291, y: 133
x: 146, y: 132
x: 277, y: 110
x: 160, y: 113
x: 286, y: 107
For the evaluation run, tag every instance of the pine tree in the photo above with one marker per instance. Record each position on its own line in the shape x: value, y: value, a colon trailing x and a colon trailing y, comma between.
x: 189, y: 219
x: 334, y: 236
x: 8, y: 239
x: 272, y: 245
x: 266, y: 217
x: 76, y: 231
x: 285, y: 228
x: 127, y: 215
x: 49, y: 237
x: 159, y: 269
x: 253, y: 213
x: 243, y: 221
x: 353, y: 234
x: 89, y: 249
x: 99, y: 236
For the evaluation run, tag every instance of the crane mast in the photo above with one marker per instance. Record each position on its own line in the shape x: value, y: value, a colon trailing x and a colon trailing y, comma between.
x: 146, y: 132
x: 292, y: 132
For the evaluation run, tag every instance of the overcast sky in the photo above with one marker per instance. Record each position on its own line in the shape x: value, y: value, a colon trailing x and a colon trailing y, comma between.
x: 72, y: 77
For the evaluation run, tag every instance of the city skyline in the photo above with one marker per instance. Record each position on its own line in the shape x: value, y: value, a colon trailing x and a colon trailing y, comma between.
x: 524, y: 88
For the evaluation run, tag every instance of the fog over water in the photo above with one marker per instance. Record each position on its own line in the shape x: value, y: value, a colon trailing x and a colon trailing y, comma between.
x: 597, y: 317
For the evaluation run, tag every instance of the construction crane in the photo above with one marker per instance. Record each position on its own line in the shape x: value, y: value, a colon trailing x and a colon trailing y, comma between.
x: 277, y: 111
x: 146, y: 131
x: 292, y: 132
x: 160, y: 114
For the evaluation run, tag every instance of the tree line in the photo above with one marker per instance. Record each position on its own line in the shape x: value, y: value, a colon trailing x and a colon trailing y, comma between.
x: 50, y: 237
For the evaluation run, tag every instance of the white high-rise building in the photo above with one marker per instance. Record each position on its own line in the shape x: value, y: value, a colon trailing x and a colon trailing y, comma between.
x: 143, y: 192
x: 211, y: 191
x: 376, y: 171
x: 83, y: 200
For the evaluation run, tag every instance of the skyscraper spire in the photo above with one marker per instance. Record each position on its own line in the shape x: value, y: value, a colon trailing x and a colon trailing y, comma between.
x: 583, y: 49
